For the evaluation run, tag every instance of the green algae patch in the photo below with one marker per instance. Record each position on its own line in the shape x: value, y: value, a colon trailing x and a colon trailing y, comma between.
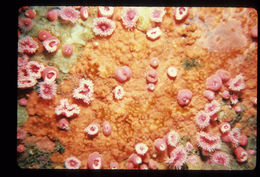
x: 22, y: 115
x: 189, y: 63
x: 34, y: 157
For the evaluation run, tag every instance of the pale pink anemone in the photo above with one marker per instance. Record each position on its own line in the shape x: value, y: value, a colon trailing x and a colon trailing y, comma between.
x: 107, y: 128
x: 210, y: 95
x: 21, y: 133
x: 25, y: 24
x: 72, y: 163
x: 160, y: 145
x: 157, y: 14
x: 234, y: 136
x: 141, y: 149
x: 208, y: 142
x: 220, y: 158
x: 23, y: 72
x: 23, y: 60
x: 202, y: 119
x: 154, y: 33
x: 26, y: 82
x: 47, y: 89
x: 23, y: 102
x: 51, y: 44
x: 237, y: 84
x: 225, y: 94
x: 50, y: 73
x: 85, y: 91
x: 92, y: 130
x: 152, y: 164
x: 69, y: 14
x: 184, y: 97
x: 150, y: 87
x: 35, y: 69
x: 104, y: 11
x: 241, y: 154
x: 154, y: 62
x: 180, y: 13
x: 27, y: 45
x: 234, y: 99
x: 172, y: 72
x: 224, y: 127
x: 189, y: 147
x: 95, y: 161
x: 172, y: 138
x: 134, y: 159
x: 237, y: 108
x: 84, y: 13
x: 129, y: 17
x: 123, y: 74
x: 66, y: 109
x: 103, y: 26
x: 224, y: 75
x: 118, y: 92
x: 63, y: 124
x: 113, y: 165
x: 214, y: 83
x: 212, y: 108
x: 177, y: 158
x: 152, y: 76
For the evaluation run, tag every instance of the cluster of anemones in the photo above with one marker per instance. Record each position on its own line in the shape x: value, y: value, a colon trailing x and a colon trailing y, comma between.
x: 235, y: 85
x: 140, y: 159
x: 94, y: 161
x: 152, y: 75
x: 21, y: 134
x: 156, y: 15
x: 92, y: 129
x: 178, y: 153
x: 122, y: 74
x: 237, y: 140
x: 169, y: 144
x: 85, y: 91
x: 30, y: 72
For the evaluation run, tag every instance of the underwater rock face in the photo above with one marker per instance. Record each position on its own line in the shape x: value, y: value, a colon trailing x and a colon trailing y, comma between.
x: 137, y: 88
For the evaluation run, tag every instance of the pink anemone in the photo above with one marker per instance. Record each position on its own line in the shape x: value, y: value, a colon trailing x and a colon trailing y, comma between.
x: 208, y: 142
x: 69, y: 14
x: 85, y: 91
x: 27, y: 45
x: 103, y: 26
x: 129, y: 17
x: 47, y: 89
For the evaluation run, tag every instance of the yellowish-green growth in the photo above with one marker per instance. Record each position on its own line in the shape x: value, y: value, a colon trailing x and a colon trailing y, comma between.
x: 144, y: 22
